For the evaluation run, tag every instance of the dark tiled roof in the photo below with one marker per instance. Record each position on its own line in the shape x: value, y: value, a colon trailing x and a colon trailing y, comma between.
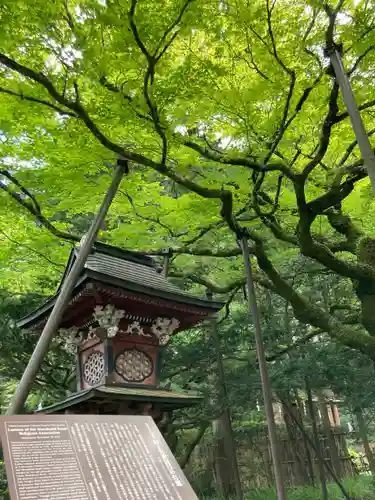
x: 127, y: 270
x: 132, y: 272
x: 113, y: 393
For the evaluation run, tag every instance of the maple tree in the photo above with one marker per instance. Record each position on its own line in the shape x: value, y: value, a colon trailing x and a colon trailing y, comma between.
x: 231, y: 122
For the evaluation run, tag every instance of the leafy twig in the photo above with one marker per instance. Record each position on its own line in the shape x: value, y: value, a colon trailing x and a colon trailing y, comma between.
x: 113, y: 88
x: 360, y: 59
x: 69, y: 17
x: 351, y: 147
x: 156, y: 220
x: 30, y: 249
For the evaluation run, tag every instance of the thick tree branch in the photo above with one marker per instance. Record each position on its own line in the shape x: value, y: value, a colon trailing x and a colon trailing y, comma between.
x: 325, y: 134
x: 224, y: 159
x: 344, y: 225
x: 220, y: 289
x: 362, y: 107
x: 310, y: 314
x: 77, y: 108
x: 332, y: 17
x: 35, y: 211
x: 318, y: 251
x: 23, y: 97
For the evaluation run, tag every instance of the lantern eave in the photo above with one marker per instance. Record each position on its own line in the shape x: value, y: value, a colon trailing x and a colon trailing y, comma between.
x: 167, y: 399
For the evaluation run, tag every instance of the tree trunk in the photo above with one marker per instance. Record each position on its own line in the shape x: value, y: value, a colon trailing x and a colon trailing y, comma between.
x: 326, y: 464
x: 366, y: 289
x: 362, y: 432
x: 335, y: 458
x: 316, y: 440
x: 300, y: 416
x: 228, y: 476
x: 222, y: 465
x: 302, y: 471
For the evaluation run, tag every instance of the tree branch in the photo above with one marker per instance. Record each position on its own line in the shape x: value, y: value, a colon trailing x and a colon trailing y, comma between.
x: 351, y: 147
x: 273, y: 51
x: 332, y: 16
x: 116, y: 90
x: 326, y: 131
x: 252, y: 64
x: 224, y: 196
x: 310, y: 314
x: 344, y: 225
x: 152, y: 60
x: 77, y: 109
x: 360, y: 59
x: 203, y: 426
x: 25, y: 191
x: 220, y: 289
x: 23, y: 97
x: 236, y: 160
x: 160, y: 50
x: 342, y: 116
x: 294, y: 345
x: 35, y: 211
x: 153, y: 220
x: 69, y: 18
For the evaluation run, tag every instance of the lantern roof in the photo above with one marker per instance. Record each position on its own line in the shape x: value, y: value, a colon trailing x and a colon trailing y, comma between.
x: 102, y: 394
x: 126, y: 270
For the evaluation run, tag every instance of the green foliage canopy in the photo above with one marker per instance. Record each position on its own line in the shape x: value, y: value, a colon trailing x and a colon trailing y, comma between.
x: 230, y: 119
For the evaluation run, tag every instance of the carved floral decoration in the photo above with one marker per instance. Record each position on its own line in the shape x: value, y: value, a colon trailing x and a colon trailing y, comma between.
x: 136, y: 329
x: 109, y: 318
x: 69, y: 338
x: 91, y: 334
x: 163, y: 328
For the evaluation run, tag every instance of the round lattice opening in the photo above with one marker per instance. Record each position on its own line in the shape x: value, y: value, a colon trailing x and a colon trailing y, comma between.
x: 93, y: 369
x: 134, y: 365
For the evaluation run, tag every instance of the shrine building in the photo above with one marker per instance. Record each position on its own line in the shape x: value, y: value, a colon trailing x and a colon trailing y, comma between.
x: 120, y: 315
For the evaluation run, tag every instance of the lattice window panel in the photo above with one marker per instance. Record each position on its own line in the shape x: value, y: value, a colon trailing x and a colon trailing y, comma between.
x: 134, y: 365
x: 93, y: 368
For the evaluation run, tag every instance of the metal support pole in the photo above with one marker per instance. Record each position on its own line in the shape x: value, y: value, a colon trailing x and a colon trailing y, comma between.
x: 229, y: 440
x: 166, y: 262
x: 355, y: 116
x: 266, y: 386
x: 54, y: 319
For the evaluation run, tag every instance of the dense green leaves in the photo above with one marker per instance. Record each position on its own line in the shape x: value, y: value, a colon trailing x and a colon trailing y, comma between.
x: 230, y: 118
